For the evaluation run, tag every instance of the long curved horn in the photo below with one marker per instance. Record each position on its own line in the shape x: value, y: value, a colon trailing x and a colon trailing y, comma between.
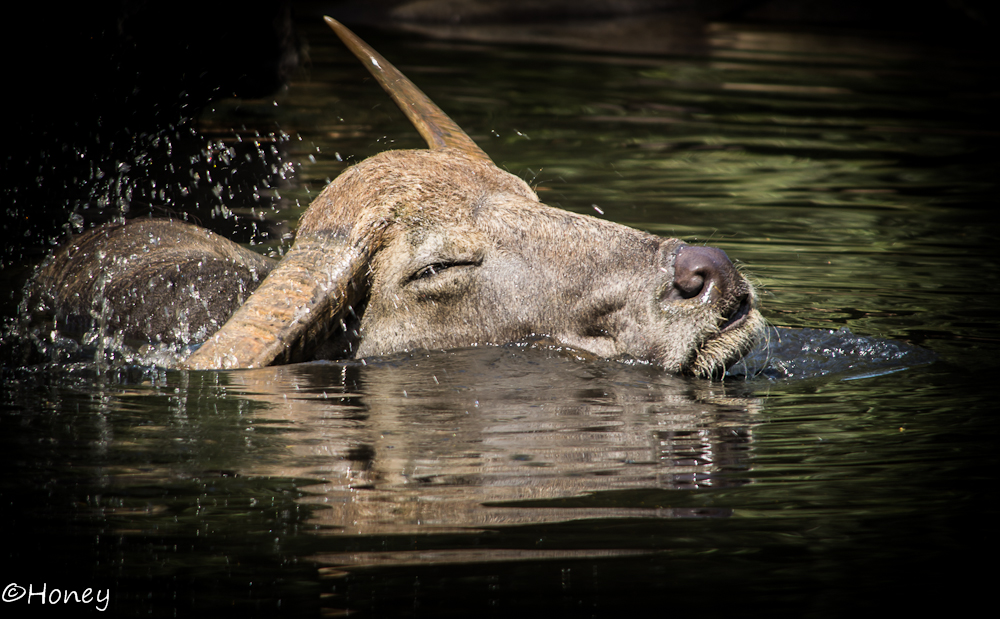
x: 310, y: 287
x: 434, y: 125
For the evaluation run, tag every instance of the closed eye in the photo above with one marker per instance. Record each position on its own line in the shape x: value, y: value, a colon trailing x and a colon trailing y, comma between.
x: 433, y: 269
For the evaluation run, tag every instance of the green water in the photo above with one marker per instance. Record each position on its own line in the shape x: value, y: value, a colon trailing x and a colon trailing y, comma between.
x: 854, y: 179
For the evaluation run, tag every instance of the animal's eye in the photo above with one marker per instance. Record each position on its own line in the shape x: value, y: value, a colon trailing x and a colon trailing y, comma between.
x: 433, y: 269
x: 429, y: 271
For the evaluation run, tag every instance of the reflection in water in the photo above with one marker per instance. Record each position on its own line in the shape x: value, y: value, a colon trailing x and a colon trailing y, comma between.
x: 463, y: 439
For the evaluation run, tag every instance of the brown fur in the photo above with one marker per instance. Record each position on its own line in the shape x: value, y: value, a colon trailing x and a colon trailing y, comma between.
x: 518, y: 269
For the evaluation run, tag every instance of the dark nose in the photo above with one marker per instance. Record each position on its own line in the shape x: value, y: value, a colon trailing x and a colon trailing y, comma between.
x: 702, y: 272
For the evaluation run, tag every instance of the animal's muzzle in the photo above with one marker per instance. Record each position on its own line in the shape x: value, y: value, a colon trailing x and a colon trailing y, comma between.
x: 707, y: 274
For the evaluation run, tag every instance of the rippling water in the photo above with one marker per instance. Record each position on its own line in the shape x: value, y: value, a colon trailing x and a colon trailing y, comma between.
x: 853, y: 177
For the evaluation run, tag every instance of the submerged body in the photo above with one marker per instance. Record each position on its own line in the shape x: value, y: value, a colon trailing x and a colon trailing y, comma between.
x: 439, y: 248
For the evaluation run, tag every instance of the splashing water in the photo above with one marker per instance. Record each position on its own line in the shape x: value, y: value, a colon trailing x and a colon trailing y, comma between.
x: 790, y: 354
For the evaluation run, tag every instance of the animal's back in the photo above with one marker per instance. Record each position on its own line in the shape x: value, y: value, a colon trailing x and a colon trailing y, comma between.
x: 151, y: 280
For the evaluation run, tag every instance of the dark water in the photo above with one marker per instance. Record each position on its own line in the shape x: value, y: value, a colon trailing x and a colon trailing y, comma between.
x: 853, y: 177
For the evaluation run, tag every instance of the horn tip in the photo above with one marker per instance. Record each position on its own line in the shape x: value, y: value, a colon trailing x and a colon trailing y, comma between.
x: 334, y: 24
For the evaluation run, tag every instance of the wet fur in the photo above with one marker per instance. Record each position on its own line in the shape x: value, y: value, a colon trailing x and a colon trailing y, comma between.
x: 151, y: 280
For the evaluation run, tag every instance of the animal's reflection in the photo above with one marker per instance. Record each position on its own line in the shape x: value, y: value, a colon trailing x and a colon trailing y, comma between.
x: 495, y: 435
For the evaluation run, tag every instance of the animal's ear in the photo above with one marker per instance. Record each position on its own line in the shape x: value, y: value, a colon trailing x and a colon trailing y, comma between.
x: 434, y: 125
x: 316, y: 282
